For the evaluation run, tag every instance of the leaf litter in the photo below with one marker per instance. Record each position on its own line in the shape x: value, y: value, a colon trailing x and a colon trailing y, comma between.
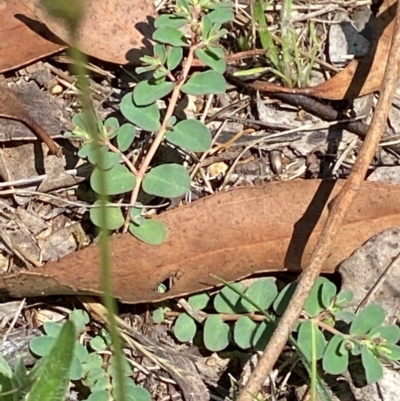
x: 29, y: 40
x: 117, y: 31
x: 293, y: 151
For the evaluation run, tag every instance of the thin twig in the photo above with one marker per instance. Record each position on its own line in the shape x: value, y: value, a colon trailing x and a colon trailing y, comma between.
x: 394, y: 263
x: 332, y: 225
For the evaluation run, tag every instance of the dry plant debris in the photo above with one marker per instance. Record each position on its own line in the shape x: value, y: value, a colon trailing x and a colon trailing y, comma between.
x: 117, y: 31
x: 232, y: 226
x: 12, y: 108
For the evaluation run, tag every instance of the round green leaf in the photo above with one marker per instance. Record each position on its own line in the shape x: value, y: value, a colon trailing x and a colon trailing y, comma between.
x: 216, y: 51
x: 204, y: 83
x: 80, y: 319
x: 115, y: 218
x: 167, y: 181
x: 158, y: 315
x: 52, y: 329
x: 174, y: 57
x: 216, y: 334
x: 228, y: 301
x: 172, y: 20
x: 221, y: 15
x: 191, y: 135
x: 314, y: 305
x: 153, y: 65
x: 136, y: 216
x: 98, y: 344
x: 334, y: 362
x: 111, y: 126
x: 263, y: 335
x: 76, y: 369
x: 208, y: 58
x: 199, y: 301
x: 106, y: 335
x: 346, y: 316
x: 244, y: 331
x: 171, y: 36
x: 93, y: 361
x: 42, y: 345
x: 103, y: 158
x: 309, y: 333
x: 206, y: 27
x: 369, y: 317
x: 390, y: 333
x: 81, y: 121
x: 101, y: 384
x: 146, y: 93
x: 328, y: 292
x: 282, y: 300
x: 344, y: 298
x: 151, y: 231
x: 96, y: 380
x: 101, y: 395
x: 138, y: 394
x: 160, y: 53
x: 81, y: 352
x: 145, y: 117
x: 118, y: 180
x: 126, y: 135
x: 85, y: 150
x: 262, y: 292
x: 185, y: 328
x: 372, y: 365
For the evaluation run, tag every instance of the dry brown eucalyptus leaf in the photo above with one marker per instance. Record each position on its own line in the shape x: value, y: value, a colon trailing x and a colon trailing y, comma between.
x: 116, y: 31
x: 23, y: 39
x: 360, y: 77
x: 232, y: 234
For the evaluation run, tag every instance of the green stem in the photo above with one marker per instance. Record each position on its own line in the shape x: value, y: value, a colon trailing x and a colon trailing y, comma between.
x: 105, y: 263
x: 163, y: 129
x: 128, y: 163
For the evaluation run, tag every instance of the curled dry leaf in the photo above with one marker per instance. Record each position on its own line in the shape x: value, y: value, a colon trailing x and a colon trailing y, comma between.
x: 23, y: 39
x: 232, y: 234
x: 360, y: 77
x: 116, y: 31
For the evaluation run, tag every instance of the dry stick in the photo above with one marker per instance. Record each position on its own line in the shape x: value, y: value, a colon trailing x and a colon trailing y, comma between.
x: 332, y: 225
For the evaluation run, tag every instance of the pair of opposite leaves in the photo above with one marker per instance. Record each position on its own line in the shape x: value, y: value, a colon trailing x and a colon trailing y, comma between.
x: 113, y: 29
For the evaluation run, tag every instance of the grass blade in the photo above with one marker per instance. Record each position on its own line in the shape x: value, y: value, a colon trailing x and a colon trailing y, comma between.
x: 53, y: 375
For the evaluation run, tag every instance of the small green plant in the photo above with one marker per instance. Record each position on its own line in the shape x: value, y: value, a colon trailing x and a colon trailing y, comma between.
x: 171, y: 73
x: 92, y: 363
x: 248, y: 316
x: 288, y: 61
